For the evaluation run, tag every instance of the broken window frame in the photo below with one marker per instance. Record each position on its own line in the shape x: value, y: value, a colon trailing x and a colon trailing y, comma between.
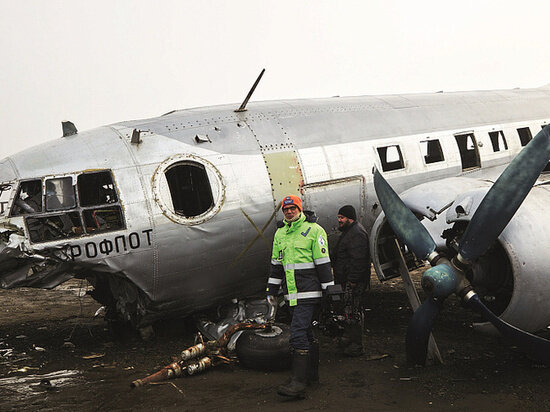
x: 469, y: 158
x: 18, y: 209
x: 388, y: 166
x: 434, y: 152
x: 52, y: 196
x: 496, y: 137
x: 6, y: 193
x: 78, y: 228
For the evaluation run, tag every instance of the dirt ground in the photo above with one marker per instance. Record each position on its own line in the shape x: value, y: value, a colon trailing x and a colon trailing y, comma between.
x: 52, y: 335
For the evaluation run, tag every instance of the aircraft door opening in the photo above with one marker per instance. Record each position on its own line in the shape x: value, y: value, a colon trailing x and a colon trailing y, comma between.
x: 469, y: 155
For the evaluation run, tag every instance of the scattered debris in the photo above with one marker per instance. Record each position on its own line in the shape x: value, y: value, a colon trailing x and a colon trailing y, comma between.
x: 68, y: 344
x: 192, y: 360
x: 26, y: 386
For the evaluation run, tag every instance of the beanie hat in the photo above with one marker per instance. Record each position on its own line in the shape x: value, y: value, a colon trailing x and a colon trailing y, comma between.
x: 348, y: 211
x: 292, y: 200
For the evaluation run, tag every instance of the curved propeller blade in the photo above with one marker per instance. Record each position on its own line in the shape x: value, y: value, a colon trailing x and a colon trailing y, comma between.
x: 505, y: 197
x: 535, y: 346
x: 403, y: 222
x: 419, y: 329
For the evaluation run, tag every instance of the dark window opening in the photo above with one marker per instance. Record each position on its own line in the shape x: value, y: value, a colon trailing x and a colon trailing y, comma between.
x: 96, y: 189
x: 431, y: 150
x: 190, y: 189
x: 28, y: 199
x: 390, y: 158
x: 468, y: 151
x: 498, y: 141
x: 47, y: 228
x: 60, y: 194
x: 525, y: 135
x: 104, y: 219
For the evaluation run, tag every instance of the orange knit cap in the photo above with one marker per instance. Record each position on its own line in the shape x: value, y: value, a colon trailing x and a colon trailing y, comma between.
x: 292, y: 200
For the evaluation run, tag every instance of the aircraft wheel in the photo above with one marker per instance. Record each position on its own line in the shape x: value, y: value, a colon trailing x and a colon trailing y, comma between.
x: 266, y: 350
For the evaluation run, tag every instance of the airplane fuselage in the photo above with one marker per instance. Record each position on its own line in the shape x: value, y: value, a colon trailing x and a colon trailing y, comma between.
x: 182, y: 217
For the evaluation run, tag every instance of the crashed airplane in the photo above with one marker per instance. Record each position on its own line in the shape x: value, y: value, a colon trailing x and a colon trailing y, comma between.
x: 175, y: 214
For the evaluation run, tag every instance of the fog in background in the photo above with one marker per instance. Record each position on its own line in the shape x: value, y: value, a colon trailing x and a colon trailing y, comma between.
x: 100, y: 62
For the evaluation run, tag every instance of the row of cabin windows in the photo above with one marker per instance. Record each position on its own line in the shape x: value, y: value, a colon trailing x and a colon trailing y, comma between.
x: 391, y: 157
x: 65, y: 210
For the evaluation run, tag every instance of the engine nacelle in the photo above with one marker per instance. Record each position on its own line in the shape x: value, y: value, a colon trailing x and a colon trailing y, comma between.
x: 512, y: 277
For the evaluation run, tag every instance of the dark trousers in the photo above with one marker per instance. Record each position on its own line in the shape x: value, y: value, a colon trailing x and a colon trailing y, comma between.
x: 301, y: 327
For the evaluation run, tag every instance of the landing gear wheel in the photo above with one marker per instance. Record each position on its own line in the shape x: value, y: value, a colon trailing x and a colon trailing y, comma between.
x: 265, y: 349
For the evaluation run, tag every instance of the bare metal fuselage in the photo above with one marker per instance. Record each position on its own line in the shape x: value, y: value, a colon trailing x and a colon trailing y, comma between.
x: 161, y: 262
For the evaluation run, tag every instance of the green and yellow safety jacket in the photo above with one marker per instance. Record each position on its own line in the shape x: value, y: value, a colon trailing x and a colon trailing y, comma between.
x: 300, y: 262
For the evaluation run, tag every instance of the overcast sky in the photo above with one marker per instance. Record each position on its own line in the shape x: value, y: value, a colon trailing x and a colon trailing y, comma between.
x: 99, y: 62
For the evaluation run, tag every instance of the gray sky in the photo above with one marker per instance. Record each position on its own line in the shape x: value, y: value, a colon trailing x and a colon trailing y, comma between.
x: 99, y: 62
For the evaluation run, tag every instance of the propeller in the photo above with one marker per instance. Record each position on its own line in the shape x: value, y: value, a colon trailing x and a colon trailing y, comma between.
x: 445, y: 277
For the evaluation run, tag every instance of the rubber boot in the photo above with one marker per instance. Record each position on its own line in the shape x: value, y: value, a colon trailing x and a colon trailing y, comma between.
x: 313, y: 364
x: 296, y: 388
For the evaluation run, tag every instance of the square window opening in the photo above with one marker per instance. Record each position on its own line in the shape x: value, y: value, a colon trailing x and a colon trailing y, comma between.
x: 525, y: 135
x: 390, y: 158
x: 431, y: 150
x: 498, y: 141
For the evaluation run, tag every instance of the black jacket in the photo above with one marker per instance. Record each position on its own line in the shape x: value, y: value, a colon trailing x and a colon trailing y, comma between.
x: 351, y: 256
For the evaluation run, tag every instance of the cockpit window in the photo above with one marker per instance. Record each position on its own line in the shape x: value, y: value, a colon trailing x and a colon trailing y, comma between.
x: 60, y: 194
x: 190, y: 189
x: 96, y: 189
x: 28, y: 199
x: 94, y: 208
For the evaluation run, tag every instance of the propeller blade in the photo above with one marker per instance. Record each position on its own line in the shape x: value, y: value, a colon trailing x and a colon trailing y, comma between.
x: 535, y: 346
x: 403, y: 222
x: 505, y: 197
x: 419, y: 329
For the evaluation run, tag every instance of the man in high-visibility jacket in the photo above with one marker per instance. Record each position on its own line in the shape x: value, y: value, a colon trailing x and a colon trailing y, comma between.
x: 300, y: 263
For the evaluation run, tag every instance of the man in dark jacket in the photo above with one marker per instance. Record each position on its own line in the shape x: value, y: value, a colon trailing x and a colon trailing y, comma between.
x: 351, y: 266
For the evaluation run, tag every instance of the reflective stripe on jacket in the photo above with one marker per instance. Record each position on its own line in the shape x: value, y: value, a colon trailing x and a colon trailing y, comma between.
x: 300, y: 262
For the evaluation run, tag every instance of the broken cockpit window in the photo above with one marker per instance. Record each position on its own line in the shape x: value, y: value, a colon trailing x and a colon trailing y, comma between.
x: 60, y: 194
x: 28, y: 199
x: 54, y: 227
x: 190, y: 189
x: 99, y: 201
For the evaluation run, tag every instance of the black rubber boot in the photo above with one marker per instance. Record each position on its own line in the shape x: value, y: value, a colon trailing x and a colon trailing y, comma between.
x: 296, y: 388
x: 313, y: 364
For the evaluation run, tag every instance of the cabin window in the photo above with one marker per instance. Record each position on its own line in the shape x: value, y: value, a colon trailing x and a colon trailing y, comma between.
x: 60, y: 194
x: 431, y: 150
x: 498, y: 141
x: 28, y: 199
x: 390, y: 158
x: 525, y: 135
x: 468, y: 150
x: 190, y: 189
x: 5, y: 194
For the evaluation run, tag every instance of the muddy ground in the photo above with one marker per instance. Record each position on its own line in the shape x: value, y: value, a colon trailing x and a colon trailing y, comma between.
x: 51, y: 334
